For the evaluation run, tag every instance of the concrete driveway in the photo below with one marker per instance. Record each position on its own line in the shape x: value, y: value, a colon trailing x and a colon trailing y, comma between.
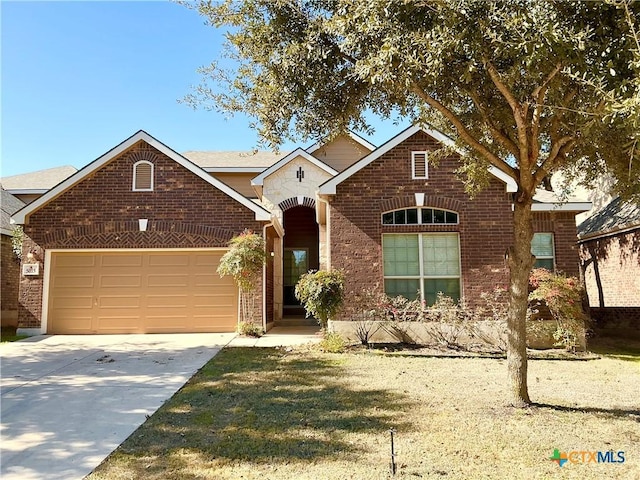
x: 68, y: 401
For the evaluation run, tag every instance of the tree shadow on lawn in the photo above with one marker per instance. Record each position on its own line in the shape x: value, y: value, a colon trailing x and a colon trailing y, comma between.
x: 266, y: 405
x: 605, y: 412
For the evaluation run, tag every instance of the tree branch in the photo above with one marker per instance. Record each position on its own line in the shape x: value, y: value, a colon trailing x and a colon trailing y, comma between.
x: 516, y: 107
x: 464, y: 133
x: 506, y: 142
x: 538, y: 96
x: 558, y: 151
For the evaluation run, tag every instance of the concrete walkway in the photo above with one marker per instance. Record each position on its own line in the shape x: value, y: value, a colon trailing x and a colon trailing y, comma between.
x: 281, y: 337
x: 68, y: 401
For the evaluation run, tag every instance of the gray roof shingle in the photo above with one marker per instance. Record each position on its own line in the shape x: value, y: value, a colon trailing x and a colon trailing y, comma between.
x: 9, y: 205
x: 616, y: 216
x: 40, y: 180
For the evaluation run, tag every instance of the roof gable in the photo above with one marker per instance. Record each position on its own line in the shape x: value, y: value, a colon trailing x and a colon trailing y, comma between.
x: 353, y: 136
x: 259, y: 180
x: 21, y: 216
x: 329, y: 188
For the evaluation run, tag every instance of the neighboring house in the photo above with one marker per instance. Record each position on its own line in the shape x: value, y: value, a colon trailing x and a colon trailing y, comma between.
x: 29, y: 186
x: 131, y: 242
x: 9, y: 262
x: 610, y: 255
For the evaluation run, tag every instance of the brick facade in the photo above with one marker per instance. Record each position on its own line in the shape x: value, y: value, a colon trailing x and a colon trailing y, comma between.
x: 10, y: 268
x: 612, y: 270
x: 102, y: 211
x: 485, y: 223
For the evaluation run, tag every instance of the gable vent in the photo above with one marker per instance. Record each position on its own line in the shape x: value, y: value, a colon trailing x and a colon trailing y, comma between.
x: 419, y: 168
x: 143, y: 176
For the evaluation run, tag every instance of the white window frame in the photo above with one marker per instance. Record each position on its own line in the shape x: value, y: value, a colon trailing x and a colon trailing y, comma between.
x: 135, y: 173
x: 426, y: 165
x: 419, y: 216
x: 552, y: 257
x: 422, y: 277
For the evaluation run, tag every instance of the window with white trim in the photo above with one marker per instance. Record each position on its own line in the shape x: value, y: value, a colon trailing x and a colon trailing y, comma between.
x: 420, y: 216
x: 419, y: 165
x: 143, y: 176
x: 420, y: 265
x: 542, y: 248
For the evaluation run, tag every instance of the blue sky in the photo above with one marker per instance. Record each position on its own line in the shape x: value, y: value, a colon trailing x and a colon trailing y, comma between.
x: 80, y: 77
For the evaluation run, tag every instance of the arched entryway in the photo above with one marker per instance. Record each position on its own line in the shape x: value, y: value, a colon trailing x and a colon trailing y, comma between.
x: 301, y: 252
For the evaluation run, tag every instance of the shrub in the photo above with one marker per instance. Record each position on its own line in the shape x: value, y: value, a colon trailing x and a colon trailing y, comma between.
x: 494, y: 312
x: 244, y: 262
x: 250, y: 329
x: 446, y: 321
x: 563, y: 296
x: 333, y: 343
x: 321, y: 293
x: 370, y: 308
x: 17, y: 237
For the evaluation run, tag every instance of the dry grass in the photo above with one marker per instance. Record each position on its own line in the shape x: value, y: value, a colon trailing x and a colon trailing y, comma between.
x: 272, y: 414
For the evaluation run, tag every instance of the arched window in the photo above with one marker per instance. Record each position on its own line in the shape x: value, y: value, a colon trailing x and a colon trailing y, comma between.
x: 420, y: 216
x: 143, y: 176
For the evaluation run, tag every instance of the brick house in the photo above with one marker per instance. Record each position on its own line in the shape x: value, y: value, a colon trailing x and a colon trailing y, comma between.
x: 9, y: 263
x: 131, y: 242
x: 610, y: 257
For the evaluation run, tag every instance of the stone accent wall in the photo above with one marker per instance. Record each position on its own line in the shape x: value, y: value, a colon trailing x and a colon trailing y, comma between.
x: 102, y: 211
x: 485, y: 223
x: 10, y: 269
x: 283, y: 185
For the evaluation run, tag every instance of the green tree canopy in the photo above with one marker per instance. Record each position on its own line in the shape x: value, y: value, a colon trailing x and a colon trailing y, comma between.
x: 527, y: 86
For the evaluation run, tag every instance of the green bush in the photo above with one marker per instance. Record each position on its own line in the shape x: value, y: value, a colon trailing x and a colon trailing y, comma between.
x: 321, y: 293
x: 333, y: 343
x: 249, y: 329
x: 244, y: 262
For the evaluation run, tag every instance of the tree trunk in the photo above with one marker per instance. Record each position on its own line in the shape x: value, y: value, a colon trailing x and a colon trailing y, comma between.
x: 520, y: 263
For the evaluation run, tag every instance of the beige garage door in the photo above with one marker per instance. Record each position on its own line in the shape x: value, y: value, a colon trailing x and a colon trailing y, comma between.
x: 140, y: 292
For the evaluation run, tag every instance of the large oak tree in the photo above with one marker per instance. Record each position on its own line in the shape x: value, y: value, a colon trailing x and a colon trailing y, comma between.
x: 526, y: 86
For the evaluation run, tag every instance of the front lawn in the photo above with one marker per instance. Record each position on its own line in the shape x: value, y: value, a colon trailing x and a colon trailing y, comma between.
x: 256, y: 413
x: 8, y: 334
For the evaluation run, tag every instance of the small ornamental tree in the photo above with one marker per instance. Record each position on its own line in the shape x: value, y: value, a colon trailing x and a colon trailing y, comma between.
x: 321, y: 293
x: 563, y: 297
x: 244, y: 262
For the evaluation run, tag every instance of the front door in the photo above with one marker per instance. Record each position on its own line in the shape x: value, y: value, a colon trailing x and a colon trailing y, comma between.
x: 296, y: 263
x: 301, y: 253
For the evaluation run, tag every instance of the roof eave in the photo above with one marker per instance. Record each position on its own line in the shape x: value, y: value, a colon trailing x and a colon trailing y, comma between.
x: 562, y: 207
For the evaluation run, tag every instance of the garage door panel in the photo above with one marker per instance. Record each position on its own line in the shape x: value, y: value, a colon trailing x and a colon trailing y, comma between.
x: 118, y: 324
x: 140, y: 291
x: 80, y: 280
x: 119, y: 301
x: 119, y: 260
x: 168, y: 301
x: 65, y: 304
x: 169, y: 260
x: 168, y: 280
x: 206, y: 280
x: 120, y: 281
x: 75, y: 261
